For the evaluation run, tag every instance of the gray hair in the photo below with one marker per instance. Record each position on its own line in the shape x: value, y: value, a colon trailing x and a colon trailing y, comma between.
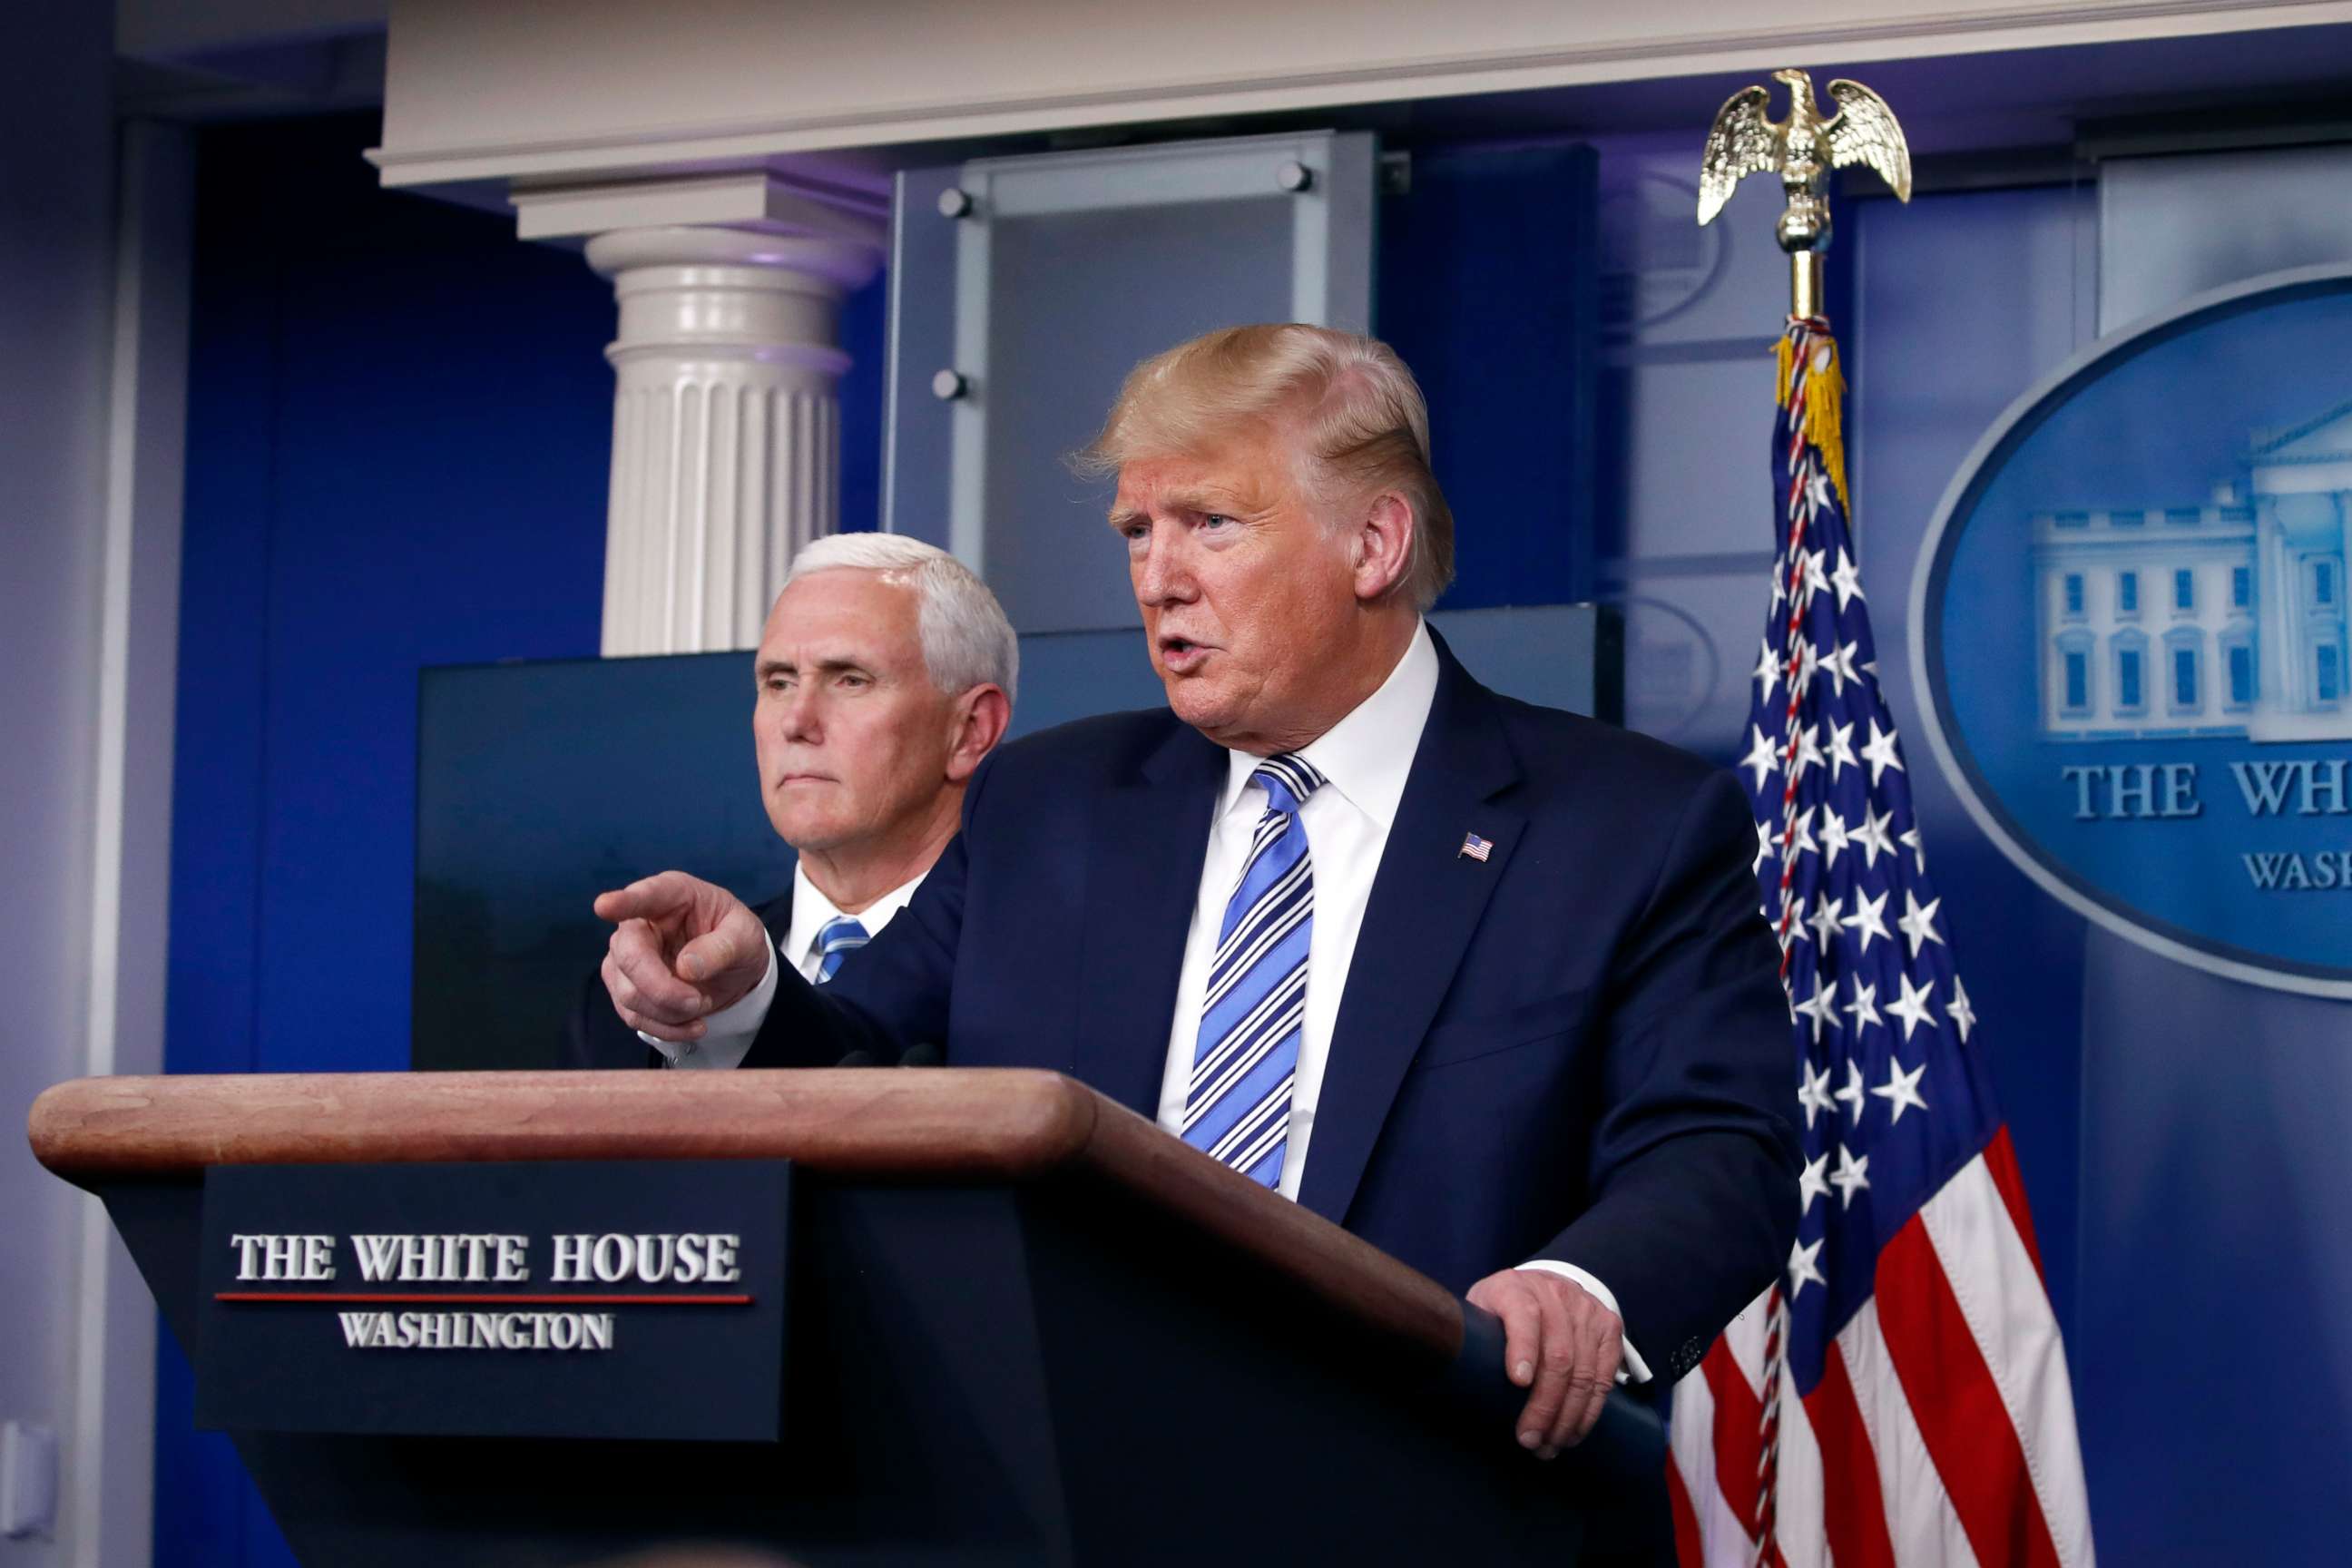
x: 967, y: 641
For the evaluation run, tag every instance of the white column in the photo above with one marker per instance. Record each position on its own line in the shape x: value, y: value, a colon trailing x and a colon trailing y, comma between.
x: 726, y: 425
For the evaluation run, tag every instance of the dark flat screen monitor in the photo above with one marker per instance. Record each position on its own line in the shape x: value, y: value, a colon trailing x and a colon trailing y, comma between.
x: 541, y: 785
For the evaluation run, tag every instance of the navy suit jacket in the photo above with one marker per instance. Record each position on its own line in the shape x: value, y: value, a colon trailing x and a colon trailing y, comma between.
x: 1578, y: 1049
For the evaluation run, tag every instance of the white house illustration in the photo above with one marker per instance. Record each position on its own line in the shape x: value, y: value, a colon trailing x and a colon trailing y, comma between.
x: 2220, y: 618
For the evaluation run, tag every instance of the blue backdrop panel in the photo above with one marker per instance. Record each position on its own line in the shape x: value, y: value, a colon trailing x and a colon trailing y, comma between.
x: 542, y: 784
x: 1486, y: 288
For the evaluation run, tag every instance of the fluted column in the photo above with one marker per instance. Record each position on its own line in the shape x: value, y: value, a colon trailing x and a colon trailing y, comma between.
x: 726, y: 425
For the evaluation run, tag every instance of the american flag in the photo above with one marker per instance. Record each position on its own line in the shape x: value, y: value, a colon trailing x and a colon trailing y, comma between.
x: 1901, y: 1395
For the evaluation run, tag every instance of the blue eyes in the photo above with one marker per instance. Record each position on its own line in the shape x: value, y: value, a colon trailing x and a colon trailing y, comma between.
x: 1138, y: 534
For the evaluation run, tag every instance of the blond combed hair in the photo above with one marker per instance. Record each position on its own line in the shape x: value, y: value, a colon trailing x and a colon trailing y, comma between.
x: 1358, y: 413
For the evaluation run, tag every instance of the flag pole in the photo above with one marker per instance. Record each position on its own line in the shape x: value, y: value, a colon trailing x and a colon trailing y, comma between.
x: 1801, y: 149
x: 1876, y: 1404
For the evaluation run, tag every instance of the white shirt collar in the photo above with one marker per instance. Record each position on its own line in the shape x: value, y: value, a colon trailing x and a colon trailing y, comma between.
x: 1366, y: 755
x: 811, y: 910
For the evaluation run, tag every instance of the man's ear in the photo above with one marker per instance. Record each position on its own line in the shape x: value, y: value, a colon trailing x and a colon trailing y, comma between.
x: 1384, y: 543
x: 981, y: 716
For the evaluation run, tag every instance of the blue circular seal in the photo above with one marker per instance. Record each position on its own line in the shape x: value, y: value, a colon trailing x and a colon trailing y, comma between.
x: 2129, y: 623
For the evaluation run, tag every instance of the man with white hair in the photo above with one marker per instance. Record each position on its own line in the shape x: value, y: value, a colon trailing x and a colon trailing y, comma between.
x: 884, y: 675
x: 1485, y: 983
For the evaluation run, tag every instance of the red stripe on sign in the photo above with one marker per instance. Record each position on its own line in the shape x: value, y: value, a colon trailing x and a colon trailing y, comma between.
x: 2001, y: 1159
x: 1853, y: 1512
x: 1958, y: 1407
x: 1688, y: 1551
x: 443, y: 1297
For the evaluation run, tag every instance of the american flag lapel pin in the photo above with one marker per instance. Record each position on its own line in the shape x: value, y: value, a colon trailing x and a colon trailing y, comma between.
x: 1475, y: 847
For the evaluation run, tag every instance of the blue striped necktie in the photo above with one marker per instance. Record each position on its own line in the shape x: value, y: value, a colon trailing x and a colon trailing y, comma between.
x: 1237, y: 1105
x: 835, y: 941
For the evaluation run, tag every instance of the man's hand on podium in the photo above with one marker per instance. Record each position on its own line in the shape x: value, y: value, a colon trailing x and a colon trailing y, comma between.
x: 1563, y: 1345
x: 681, y: 950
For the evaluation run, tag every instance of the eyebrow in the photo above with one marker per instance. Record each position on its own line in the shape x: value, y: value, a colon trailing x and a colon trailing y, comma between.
x: 1213, y: 499
x: 768, y: 667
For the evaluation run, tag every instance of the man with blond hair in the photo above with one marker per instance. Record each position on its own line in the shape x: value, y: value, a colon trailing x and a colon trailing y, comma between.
x: 1482, y: 981
x: 883, y: 677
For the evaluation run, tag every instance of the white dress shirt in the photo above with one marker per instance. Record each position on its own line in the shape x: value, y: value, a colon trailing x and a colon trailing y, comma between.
x: 728, y: 1034
x: 1364, y: 760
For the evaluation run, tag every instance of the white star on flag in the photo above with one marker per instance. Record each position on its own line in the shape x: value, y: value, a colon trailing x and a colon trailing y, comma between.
x: 1879, y: 752
x: 1863, y: 1007
x: 1850, y: 1176
x: 1872, y: 836
x: 1868, y: 920
x: 1816, y: 581
x: 1809, y: 749
x: 1835, y: 837
x: 1841, y: 750
x: 1914, y: 1006
x: 1847, y: 578
x: 1812, y: 1184
x: 1763, y: 756
x: 1802, y: 841
x: 1824, y: 920
x: 1963, y: 1017
x: 1852, y: 1093
x: 1813, y: 1093
x: 1901, y: 1089
x: 1821, y: 1008
x: 1838, y: 667
x: 1918, y: 922
x: 1802, y: 1270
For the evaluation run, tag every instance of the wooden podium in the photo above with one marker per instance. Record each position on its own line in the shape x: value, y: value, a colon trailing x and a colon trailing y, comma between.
x: 1021, y: 1324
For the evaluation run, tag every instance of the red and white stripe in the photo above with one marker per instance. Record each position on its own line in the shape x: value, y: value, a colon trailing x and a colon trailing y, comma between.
x: 1942, y: 1432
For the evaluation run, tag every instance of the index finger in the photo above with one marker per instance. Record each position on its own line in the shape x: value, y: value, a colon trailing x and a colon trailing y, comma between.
x: 647, y: 897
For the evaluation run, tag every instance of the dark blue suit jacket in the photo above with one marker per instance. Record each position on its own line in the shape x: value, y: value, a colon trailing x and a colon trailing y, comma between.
x: 1578, y: 1049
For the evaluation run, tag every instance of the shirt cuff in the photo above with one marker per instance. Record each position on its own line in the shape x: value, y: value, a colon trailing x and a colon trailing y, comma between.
x: 1634, y: 1369
x: 728, y: 1034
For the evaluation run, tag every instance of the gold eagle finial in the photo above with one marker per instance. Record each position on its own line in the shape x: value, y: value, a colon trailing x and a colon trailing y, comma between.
x: 1802, y: 150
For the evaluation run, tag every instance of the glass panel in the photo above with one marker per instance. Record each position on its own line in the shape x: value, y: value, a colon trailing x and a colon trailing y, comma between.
x: 1055, y: 274
x: 2074, y: 595
x: 2241, y: 586
x: 2127, y: 591
x: 1061, y: 338
x: 2128, y: 680
x: 2078, y: 681
x: 2330, y: 676
x: 2184, y: 679
x: 2184, y: 590
x: 2241, y: 676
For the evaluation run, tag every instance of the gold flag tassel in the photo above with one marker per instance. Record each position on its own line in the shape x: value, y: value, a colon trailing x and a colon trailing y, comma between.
x: 1824, y: 396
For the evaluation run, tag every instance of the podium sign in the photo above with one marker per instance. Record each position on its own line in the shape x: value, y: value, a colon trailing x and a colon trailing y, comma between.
x: 605, y: 1298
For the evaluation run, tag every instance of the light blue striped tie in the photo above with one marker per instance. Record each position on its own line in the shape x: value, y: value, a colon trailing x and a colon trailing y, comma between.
x: 1237, y: 1105
x: 835, y: 941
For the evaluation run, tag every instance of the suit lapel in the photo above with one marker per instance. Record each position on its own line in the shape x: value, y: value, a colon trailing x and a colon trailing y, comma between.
x: 1145, y: 848
x: 1427, y: 899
